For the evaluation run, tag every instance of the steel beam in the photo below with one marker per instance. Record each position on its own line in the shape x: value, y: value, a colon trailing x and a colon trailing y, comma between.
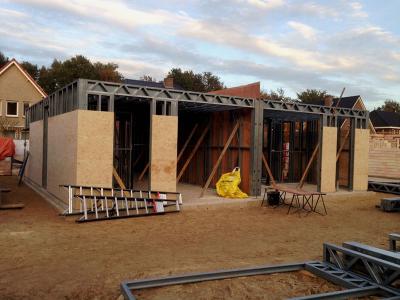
x: 384, y: 187
x: 128, y: 286
x: 373, y: 251
x: 314, y: 109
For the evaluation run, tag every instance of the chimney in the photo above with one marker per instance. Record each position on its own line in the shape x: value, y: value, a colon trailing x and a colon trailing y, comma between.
x: 169, y: 82
x: 328, y: 100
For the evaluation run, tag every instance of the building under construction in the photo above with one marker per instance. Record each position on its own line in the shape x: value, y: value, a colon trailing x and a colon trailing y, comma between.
x: 160, y: 136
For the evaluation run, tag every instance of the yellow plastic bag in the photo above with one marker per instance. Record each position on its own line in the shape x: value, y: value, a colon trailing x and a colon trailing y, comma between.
x: 228, y: 185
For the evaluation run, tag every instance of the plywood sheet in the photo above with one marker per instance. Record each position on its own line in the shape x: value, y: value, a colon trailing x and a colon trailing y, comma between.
x: 361, y: 147
x: 164, y: 138
x: 62, y: 153
x: 34, y: 166
x: 95, y: 148
x: 328, y: 159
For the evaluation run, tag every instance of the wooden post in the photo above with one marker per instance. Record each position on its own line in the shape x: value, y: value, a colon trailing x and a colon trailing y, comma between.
x: 144, y: 171
x: 118, y: 179
x: 228, y: 142
x: 187, y: 142
x: 313, y: 156
x: 268, y: 170
x: 186, y: 164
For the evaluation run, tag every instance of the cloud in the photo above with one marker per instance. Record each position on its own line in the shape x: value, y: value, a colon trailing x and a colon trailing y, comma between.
x: 117, y: 13
x: 358, y: 10
x: 266, y: 4
x: 306, y: 31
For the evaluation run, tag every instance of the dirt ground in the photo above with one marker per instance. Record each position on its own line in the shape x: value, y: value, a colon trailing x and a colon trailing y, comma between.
x: 45, y: 256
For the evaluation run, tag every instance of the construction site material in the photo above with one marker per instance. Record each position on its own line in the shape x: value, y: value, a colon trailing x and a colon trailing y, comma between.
x: 271, y: 177
x: 22, y: 169
x: 228, y: 185
x: 301, y: 200
x: 8, y: 206
x: 163, y: 156
x: 228, y: 142
x: 101, y: 203
x: 7, y: 147
x: 393, y: 238
x: 384, y: 187
x: 360, y: 274
x: 308, y: 167
x: 118, y: 179
x: 193, y: 152
x: 390, y: 204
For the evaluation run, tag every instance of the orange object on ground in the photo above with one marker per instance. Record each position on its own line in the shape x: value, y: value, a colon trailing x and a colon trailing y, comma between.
x: 7, y: 147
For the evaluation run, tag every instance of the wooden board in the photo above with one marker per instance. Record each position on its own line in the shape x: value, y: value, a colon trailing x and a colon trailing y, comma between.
x: 164, y: 138
x: 328, y: 159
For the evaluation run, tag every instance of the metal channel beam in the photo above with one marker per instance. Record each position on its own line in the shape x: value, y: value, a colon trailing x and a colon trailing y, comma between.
x: 315, y: 109
x: 336, y: 275
x: 374, y: 269
x: 346, y: 294
x: 373, y: 251
x: 128, y: 286
x: 120, y: 89
x: 384, y: 187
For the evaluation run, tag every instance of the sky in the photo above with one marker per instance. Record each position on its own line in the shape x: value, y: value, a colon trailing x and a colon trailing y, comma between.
x: 294, y: 45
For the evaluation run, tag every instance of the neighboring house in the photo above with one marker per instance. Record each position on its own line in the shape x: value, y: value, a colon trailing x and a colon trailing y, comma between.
x: 18, y: 91
x: 385, y: 122
x: 384, y: 148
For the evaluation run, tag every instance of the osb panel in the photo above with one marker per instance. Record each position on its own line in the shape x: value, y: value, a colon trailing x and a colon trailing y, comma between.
x: 328, y: 159
x: 62, y: 153
x: 34, y: 166
x: 164, y: 139
x: 95, y: 148
x: 361, y: 146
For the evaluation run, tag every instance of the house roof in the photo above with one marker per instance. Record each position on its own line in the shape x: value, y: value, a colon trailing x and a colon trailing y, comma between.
x: 345, y: 102
x: 150, y: 84
x: 385, y: 118
x: 25, y: 73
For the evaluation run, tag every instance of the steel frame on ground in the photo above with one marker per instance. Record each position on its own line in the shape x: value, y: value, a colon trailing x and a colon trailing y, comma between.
x: 384, y: 187
x: 357, y: 286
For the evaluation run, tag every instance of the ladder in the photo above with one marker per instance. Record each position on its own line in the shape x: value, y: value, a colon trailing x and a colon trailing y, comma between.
x: 95, y: 203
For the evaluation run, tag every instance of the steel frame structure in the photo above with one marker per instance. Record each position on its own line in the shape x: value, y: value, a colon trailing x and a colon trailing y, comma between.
x: 384, y: 187
x: 355, y: 286
x: 88, y: 94
x: 372, y: 280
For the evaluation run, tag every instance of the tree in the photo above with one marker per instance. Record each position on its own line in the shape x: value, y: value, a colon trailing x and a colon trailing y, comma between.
x: 312, y: 96
x: 198, y: 82
x: 60, y: 73
x: 32, y: 69
x: 148, y: 78
x: 3, y: 59
x: 390, y: 105
x: 278, y: 95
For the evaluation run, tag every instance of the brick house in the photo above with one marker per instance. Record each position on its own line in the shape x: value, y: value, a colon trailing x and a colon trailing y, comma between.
x: 18, y: 91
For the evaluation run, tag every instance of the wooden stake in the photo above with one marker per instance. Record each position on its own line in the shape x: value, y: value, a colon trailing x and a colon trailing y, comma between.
x: 342, y: 145
x: 214, y: 170
x: 187, y: 142
x: 268, y: 170
x: 118, y: 179
x: 186, y: 164
x: 303, y: 177
x: 144, y: 171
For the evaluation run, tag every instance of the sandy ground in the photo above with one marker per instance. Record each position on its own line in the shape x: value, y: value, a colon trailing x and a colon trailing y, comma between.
x: 45, y: 256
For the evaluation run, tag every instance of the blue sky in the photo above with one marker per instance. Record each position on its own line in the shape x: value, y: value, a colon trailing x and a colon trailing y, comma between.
x: 281, y: 43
